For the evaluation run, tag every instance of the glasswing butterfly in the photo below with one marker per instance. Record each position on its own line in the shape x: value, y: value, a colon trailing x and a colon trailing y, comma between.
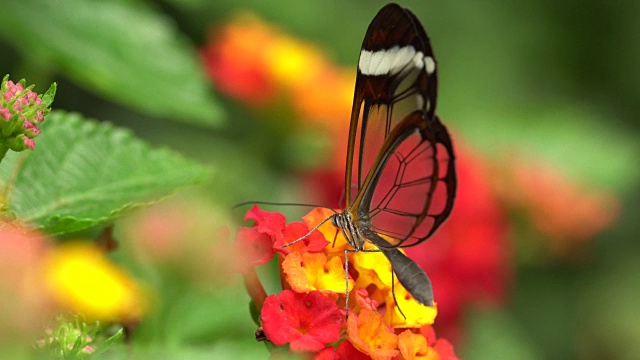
x: 400, y: 181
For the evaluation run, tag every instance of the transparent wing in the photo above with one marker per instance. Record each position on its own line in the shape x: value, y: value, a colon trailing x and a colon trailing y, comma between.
x: 400, y: 157
x: 396, y: 76
x: 411, y: 191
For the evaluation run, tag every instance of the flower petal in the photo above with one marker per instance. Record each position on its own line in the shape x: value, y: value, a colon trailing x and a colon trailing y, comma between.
x: 364, y: 301
x: 314, y: 242
x: 417, y: 315
x: 373, y: 269
x: 312, y: 271
x: 266, y: 222
x: 369, y: 334
x: 252, y: 248
x: 414, y: 347
x: 345, y: 351
x: 306, y: 321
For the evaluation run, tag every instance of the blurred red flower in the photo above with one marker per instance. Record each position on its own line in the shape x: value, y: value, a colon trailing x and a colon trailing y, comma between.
x: 565, y: 211
x: 23, y: 303
x: 236, y: 65
x: 183, y: 236
x: 468, y: 258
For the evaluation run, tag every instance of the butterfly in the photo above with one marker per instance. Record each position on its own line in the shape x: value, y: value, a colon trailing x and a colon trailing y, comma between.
x: 400, y: 181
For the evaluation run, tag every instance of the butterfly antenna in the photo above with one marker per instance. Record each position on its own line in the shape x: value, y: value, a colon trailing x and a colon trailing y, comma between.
x: 244, y: 203
x: 307, y: 234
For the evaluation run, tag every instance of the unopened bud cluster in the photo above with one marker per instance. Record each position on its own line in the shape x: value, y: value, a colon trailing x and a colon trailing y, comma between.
x: 21, y: 110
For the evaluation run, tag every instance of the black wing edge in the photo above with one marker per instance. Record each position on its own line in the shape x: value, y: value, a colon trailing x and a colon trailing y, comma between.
x: 441, y: 136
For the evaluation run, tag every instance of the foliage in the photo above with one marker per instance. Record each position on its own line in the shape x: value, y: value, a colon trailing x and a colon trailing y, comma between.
x: 61, y: 189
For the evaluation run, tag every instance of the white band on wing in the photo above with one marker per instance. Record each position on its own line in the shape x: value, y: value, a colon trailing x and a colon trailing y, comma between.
x: 393, y: 60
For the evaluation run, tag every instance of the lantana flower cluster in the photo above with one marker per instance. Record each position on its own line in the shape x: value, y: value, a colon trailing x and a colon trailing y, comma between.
x: 21, y: 110
x: 309, y: 315
x: 260, y: 65
x: 566, y: 211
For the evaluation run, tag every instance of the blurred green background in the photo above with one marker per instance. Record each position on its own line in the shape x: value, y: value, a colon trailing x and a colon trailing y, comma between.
x: 557, y: 80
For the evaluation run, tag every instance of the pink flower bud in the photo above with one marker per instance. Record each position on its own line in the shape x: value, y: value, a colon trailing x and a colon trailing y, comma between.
x: 31, y: 96
x: 39, y: 117
x: 29, y: 143
x: 31, y: 130
x: 5, y: 113
x: 12, y: 90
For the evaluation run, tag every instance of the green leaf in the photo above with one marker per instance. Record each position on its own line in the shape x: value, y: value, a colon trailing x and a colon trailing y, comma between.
x: 47, y: 98
x: 123, y: 50
x: 110, y: 342
x: 83, y: 175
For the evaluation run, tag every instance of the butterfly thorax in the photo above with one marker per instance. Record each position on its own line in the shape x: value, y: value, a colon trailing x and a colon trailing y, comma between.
x: 344, y: 221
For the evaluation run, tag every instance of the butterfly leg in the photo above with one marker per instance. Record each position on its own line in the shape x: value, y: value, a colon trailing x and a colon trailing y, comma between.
x: 393, y: 293
x: 335, y: 238
x: 346, y: 282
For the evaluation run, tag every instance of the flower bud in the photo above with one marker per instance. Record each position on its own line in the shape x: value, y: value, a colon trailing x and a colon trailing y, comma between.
x: 21, y: 110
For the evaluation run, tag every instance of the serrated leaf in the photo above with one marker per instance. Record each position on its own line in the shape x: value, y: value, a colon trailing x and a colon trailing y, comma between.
x: 122, y: 49
x: 84, y: 174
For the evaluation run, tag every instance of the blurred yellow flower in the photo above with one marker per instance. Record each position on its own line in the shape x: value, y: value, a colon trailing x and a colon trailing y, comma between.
x: 291, y: 63
x: 253, y: 61
x: 82, y: 279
